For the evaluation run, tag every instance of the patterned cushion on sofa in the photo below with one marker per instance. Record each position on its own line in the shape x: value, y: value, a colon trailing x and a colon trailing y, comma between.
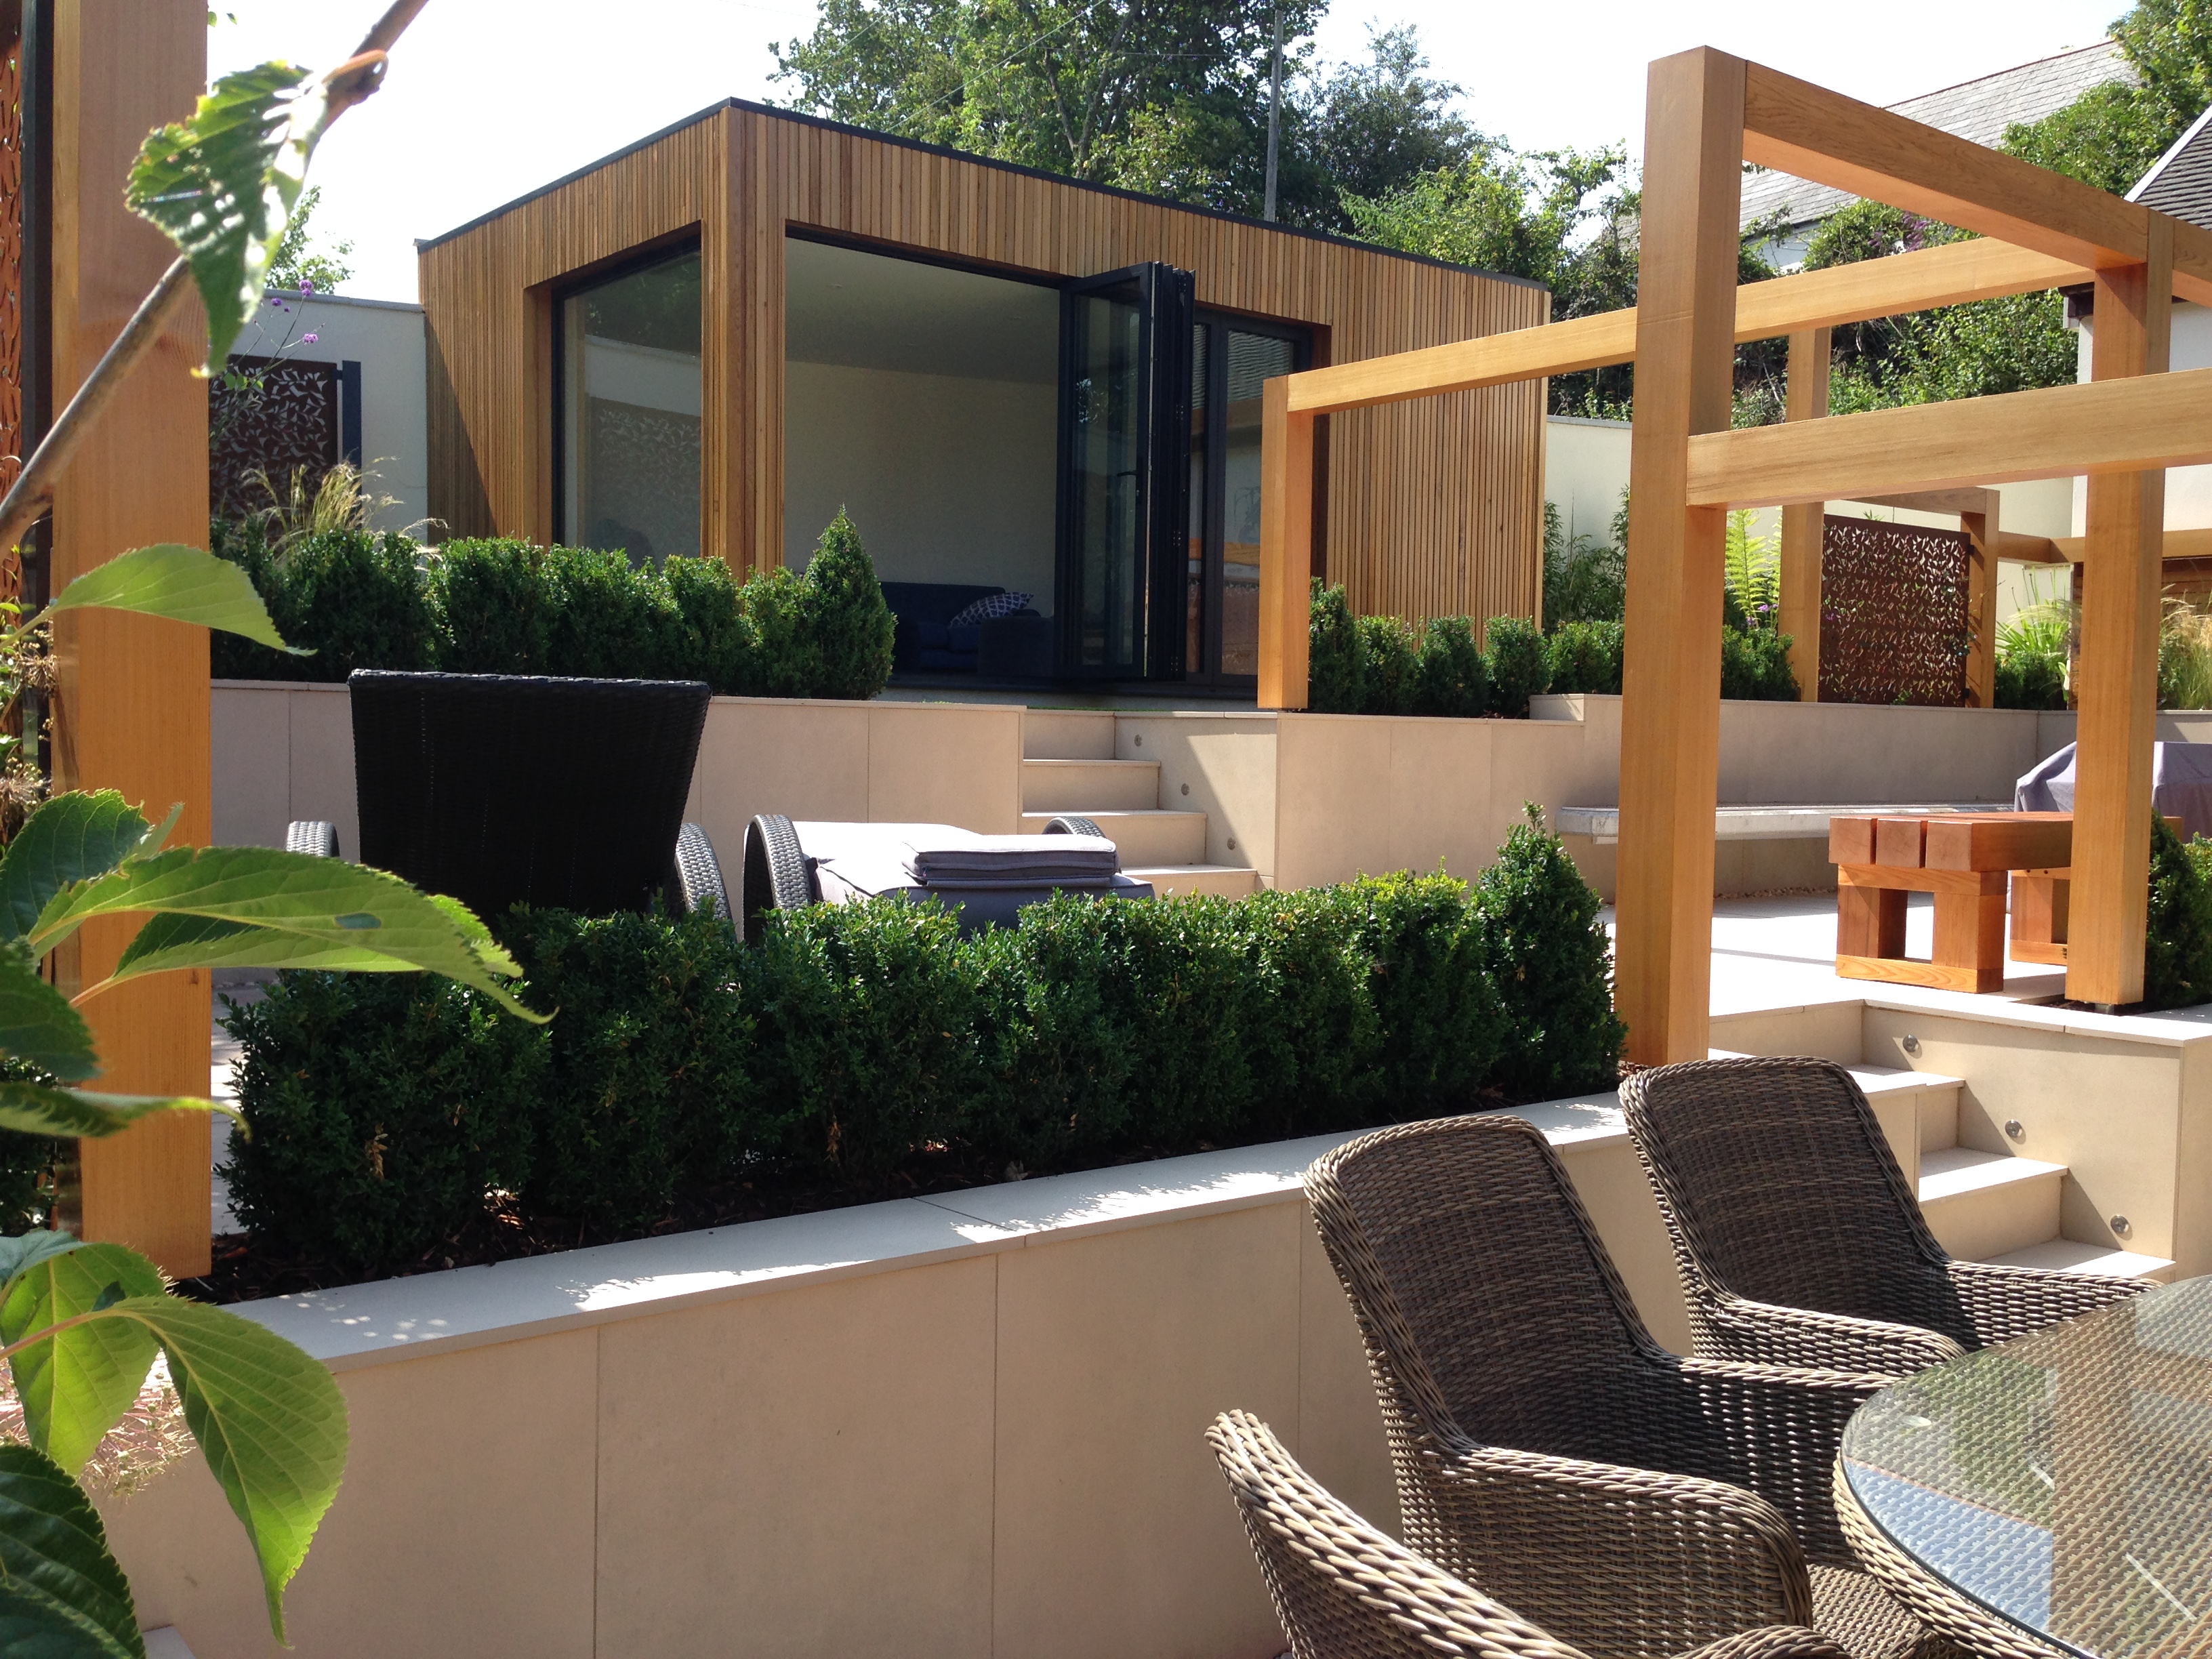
x: 997, y: 605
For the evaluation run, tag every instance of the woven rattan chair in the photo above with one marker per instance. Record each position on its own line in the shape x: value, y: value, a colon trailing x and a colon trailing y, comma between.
x: 1799, y: 1240
x: 504, y: 789
x: 1547, y: 1450
x: 1345, y: 1590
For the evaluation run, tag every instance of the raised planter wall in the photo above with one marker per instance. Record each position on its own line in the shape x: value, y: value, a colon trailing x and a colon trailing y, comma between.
x: 972, y: 1424
x: 1303, y: 799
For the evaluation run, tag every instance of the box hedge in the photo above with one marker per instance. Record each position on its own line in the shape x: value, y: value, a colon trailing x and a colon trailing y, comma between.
x: 385, y: 1110
x: 502, y: 606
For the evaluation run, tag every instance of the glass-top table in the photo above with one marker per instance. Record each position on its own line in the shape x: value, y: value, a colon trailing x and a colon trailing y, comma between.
x: 2064, y: 1482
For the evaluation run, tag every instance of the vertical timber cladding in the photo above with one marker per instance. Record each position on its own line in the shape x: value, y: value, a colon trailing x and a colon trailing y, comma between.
x: 1434, y: 507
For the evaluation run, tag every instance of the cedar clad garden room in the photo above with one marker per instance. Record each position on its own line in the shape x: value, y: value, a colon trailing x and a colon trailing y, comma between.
x: 1038, y: 401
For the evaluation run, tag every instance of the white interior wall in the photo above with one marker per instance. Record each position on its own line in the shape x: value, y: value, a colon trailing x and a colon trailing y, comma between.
x: 947, y: 479
x: 385, y: 338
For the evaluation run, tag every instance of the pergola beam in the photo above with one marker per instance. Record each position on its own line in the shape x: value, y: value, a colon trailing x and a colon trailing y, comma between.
x: 2097, y: 426
x: 1947, y: 275
x: 1822, y: 135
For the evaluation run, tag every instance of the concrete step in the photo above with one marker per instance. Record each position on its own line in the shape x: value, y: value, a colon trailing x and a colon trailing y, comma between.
x: 1067, y: 734
x: 1981, y: 1205
x: 2064, y: 1255
x: 1089, y: 785
x: 1182, y: 881
x: 1146, y: 839
x: 1918, y: 1111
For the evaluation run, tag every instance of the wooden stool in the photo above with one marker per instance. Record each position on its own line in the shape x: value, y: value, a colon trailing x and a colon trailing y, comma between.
x: 1964, y: 860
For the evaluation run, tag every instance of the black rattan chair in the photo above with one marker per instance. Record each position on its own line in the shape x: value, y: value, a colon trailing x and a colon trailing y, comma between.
x: 1547, y: 1450
x: 1798, y: 1238
x: 504, y: 789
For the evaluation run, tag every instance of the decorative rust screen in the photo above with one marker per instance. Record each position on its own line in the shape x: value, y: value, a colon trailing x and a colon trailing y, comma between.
x: 13, y: 434
x: 286, y: 417
x: 1893, y: 622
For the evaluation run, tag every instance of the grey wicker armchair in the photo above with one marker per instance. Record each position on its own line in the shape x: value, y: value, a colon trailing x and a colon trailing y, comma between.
x: 1548, y: 1451
x: 1798, y: 1240
x: 1345, y: 1591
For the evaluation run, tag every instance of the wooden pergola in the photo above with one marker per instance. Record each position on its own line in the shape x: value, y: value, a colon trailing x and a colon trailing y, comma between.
x: 1708, y: 113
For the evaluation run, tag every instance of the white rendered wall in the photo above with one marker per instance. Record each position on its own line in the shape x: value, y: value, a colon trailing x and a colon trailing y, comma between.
x: 947, y: 479
x: 1585, y: 470
x: 2187, y: 489
x: 385, y: 338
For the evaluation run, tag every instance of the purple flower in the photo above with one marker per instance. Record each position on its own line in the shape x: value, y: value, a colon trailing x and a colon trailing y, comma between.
x: 306, y: 285
x: 309, y: 339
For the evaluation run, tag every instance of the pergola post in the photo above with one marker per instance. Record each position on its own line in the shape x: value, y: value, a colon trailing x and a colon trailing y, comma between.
x: 2115, y: 671
x: 1287, y: 572
x: 1981, y: 610
x: 1804, y: 524
x: 131, y: 708
x: 1670, y: 711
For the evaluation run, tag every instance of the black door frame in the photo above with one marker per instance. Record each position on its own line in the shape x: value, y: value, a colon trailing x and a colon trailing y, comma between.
x: 1166, y: 310
x: 1219, y: 326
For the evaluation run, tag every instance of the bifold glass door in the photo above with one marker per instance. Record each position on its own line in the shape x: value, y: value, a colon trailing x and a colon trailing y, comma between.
x: 1125, y: 402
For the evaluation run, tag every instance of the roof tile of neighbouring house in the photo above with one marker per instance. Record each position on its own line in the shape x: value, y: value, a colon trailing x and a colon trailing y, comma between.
x: 2181, y: 182
x: 1980, y: 110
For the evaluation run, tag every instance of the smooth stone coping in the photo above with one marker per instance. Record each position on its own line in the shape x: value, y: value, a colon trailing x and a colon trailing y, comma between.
x: 395, y: 1319
x: 1602, y: 824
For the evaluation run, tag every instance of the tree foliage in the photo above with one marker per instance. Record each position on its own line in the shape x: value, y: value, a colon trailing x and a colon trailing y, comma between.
x: 298, y: 263
x: 1163, y: 96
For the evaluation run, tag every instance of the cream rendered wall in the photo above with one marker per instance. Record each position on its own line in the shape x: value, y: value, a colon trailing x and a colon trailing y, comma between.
x: 284, y: 751
x: 385, y: 338
x: 947, y: 479
x: 2187, y: 489
x: 1585, y: 470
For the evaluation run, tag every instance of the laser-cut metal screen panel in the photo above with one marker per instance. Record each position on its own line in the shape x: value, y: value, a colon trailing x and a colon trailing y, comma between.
x: 288, y: 419
x: 14, y: 438
x: 1894, y: 627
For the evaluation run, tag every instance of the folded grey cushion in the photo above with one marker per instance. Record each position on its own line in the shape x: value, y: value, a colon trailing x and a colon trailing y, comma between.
x: 874, y: 857
x: 1011, y: 860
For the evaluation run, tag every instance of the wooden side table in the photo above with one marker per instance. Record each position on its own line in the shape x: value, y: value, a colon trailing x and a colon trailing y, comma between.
x: 1964, y: 860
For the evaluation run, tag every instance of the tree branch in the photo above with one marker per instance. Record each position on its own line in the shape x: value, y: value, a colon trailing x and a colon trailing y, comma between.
x: 32, y: 493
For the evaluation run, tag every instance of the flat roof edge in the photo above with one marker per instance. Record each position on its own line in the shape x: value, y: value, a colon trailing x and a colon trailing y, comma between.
x: 801, y: 119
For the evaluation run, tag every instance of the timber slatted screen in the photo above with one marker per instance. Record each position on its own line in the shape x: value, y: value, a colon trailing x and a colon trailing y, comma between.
x: 285, y: 419
x: 1894, y: 627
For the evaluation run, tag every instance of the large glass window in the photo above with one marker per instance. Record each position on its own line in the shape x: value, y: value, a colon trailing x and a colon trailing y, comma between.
x: 1253, y: 358
x: 630, y: 386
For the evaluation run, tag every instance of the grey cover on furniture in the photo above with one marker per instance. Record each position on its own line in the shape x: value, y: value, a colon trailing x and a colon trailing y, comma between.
x: 1344, y: 1589
x: 1797, y: 1238
x: 1548, y: 1451
x: 2181, y: 785
x: 986, y: 879
x: 503, y: 789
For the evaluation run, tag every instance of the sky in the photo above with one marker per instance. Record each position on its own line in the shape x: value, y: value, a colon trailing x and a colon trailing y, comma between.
x: 486, y: 99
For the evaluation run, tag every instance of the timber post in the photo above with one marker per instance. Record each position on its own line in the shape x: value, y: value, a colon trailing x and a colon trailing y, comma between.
x: 1804, y: 523
x: 1670, y: 706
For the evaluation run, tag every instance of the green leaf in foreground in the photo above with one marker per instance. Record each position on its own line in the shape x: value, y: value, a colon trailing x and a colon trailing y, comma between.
x: 179, y: 583
x: 75, y: 1386
x: 62, y: 1595
x: 224, y: 185
x: 270, y: 1420
x: 33, y: 1108
x: 28, y: 1249
x: 38, y: 1024
x: 304, y: 911
x: 66, y: 839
